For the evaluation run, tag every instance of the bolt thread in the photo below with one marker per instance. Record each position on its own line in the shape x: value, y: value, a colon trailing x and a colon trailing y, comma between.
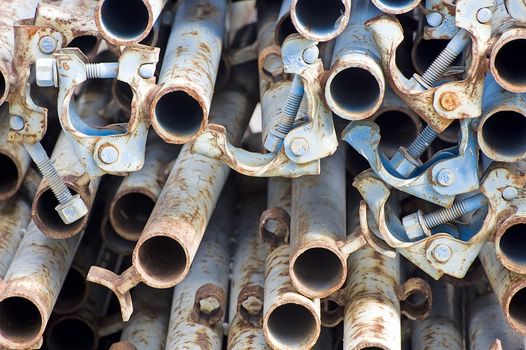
x: 444, y: 215
x: 54, y: 179
x: 92, y: 70
x: 422, y: 142
x: 290, y: 110
x: 439, y: 66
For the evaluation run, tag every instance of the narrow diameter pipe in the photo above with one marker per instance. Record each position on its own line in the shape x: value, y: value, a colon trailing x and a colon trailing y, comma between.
x: 189, y: 70
x: 199, y: 301
x: 320, y: 20
x: 31, y: 287
x: 135, y: 198
x: 275, y: 221
x: 509, y: 287
x: 290, y: 320
x: 317, y: 266
x: 284, y: 26
x: 126, y: 22
x: 510, y: 245
x: 372, y: 312
x: 74, y: 176
x: 396, y: 7
x: 356, y: 84
x: 505, y: 60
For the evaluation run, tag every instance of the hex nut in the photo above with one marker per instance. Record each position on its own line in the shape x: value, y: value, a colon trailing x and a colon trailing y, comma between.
x: 46, y: 72
x: 412, y: 226
x: 272, y: 143
x: 72, y: 210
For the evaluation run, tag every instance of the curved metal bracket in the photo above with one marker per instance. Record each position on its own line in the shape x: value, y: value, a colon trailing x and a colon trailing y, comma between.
x: 462, y: 161
x: 471, y: 237
x: 388, y: 34
x: 128, y: 140
x: 447, y: 29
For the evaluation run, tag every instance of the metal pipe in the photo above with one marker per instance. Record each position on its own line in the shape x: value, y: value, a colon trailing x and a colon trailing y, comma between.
x: 487, y: 325
x: 126, y: 22
x: 503, y: 123
x: 31, y: 287
x: 396, y: 7
x: 509, y: 287
x: 12, y: 11
x: 147, y: 328
x: 290, y: 320
x: 14, y: 160
x: 245, y: 336
x: 320, y: 20
x: 189, y: 70
x: 72, y: 332
x: 284, y: 26
x: 318, y: 221
x: 356, y: 84
x: 199, y: 301
x: 505, y: 60
x: 135, y: 198
x: 74, y: 176
x: 275, y: 221
x: 115, y: 242
x: 509, y: 244
x: 372, y: 311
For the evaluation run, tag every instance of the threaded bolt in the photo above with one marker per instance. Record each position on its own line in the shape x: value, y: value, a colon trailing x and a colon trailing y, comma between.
x: 108, y: 70
x: 458, y: 209
x: 422, y: 142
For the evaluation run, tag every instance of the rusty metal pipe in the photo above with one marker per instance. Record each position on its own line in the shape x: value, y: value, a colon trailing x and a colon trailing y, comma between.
x: 245, y: 336
x: 396, y: 7
x: 290, y: 320
x: 75, y: 178
x: 284, y: 26
x: 199, y: 301
x: 509, y: 244
x: 509, y: 287
x: 320, y: 20
x: 356, y: 84
x: 147, y: 328
x: 372, y: 312
x: 505, y: 60
x: 503, y: 123
x: 189, y: 70
x: 72, y: 332
x: 318, y: 221
x: 487, y: 325
x: 31, y: 287
x: 125, y: 22
x: 275, y: 221
x: 135, y: 198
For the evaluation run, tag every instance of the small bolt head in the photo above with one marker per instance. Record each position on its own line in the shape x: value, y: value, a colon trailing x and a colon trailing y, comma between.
x: 45, y: 71
x: 273, y: 143
x: 442, y: 253
x: 17, y: 123
x: 310, y: 54
x: 253, y: 305
x: 510, y: 193
x: 449, y: 101
x: 72, y: 210
x: 147, y: 70
x: 209, y: 305
x: 299, y: 146
x: 413, y: 228
x: 484, y: 15
x: 434, y: 19
x: 445, y: 177
x: 108, y: 154
x: 47, y: 44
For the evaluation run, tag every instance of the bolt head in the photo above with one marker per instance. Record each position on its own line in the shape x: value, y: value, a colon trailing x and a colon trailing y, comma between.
x: 47, y: 44
x: 147, y: 70
x: 299, y: 146
x: 434, y: 19
x: 209, y: 305
x: 72, y: 210
x: 510, y: 193
x: 17, y: 123
x: 108, y: 154
x: 273, y: 143
x: 442, y: 253
x: 46, y: 73
x: 412, y: 226
x: 445, y: 177
x: 484, y: 15
x: 253, y: 305
x: 310, y: 54
x: 449, y: 101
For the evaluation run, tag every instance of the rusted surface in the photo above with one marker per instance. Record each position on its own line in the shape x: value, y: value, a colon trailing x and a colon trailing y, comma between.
x: 417, y: 288
x: 133, y: 202
x: 285, y: 306
x: 372, y: 311
x: 487, y: 326
x: 274, y: 224
x: 318, y: 221
x: 245, y: 336
x: 148, y: 326
x: 396, y: 7
x: 68, y: 166
x: 31, y: 287
x: 197, y: 323
x: 509, y: 287
x: 190, y: 66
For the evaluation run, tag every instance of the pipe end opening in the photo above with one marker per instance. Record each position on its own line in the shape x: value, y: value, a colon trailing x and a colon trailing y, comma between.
x: 130, y: 214
x: 9, y: 176
x: 291, y: 324
x: 178, y: 114
x: 86, y: 43
x: 509, y: 64
x: 73, y: 292
x: 503, y: 134
x: 319, y: 270
x: 320, y: 18
x: 72, y: 333
x: 517, y: 309
x: 513, y: 244
x: 20, y: 319
x: 124, y: 19
x: 162, y: 258
x: 397, y: 128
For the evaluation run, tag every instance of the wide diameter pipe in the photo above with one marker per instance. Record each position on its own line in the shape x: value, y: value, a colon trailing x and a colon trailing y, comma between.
x: 506, y: 60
